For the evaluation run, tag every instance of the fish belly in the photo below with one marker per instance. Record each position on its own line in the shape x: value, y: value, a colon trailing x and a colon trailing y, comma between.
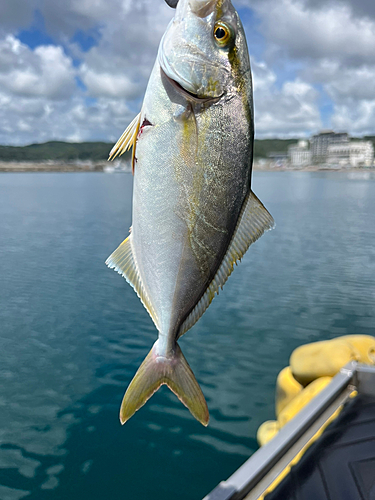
x: 187, y: 197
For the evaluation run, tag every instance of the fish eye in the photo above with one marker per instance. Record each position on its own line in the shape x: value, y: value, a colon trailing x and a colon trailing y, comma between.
x: 222, y: 34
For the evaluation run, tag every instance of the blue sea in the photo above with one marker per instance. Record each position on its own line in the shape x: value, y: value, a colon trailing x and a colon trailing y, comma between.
x: 73, y: 333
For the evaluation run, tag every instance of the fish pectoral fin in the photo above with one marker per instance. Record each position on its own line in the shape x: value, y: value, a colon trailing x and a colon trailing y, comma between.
x: 122, y: 260
x: 253, y: 221
x: 175, y: 373
x: 127, y: 140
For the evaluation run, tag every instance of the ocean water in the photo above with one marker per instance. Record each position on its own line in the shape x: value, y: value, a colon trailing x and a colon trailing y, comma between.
x: 73, y: 333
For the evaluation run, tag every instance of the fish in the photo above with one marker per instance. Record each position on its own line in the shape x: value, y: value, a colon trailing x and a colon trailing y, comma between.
x: 193, y: 215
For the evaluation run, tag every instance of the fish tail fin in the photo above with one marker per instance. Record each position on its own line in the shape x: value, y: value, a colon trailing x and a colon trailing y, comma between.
x: 157, y: 370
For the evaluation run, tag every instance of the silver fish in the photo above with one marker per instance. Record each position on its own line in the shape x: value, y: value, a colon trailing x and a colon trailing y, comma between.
x: 194, y: 214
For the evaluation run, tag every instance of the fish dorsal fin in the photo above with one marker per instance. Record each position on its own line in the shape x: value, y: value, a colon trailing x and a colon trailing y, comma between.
x: 122, y: 260
x: 253, y: 221
x: 127, y: 140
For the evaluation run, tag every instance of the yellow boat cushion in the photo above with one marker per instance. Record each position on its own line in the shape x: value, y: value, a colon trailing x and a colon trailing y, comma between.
x: 287, y: 388
x: 302, y: 399
x: 267, y: 431
x: 321, y: 359
x: 312, y: 366
x: 364, y: 345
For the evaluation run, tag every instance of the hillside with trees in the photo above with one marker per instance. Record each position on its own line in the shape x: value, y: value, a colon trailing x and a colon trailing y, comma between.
x: 56, y: 151
x: 59, y: 151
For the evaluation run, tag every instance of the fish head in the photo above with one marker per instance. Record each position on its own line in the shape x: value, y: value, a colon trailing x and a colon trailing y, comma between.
x: 204, y: 53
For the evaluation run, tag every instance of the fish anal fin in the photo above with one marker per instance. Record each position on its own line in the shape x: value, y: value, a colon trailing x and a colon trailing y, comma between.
x: 122, y: 260
x: 127, y: 140
x: 253, y: 221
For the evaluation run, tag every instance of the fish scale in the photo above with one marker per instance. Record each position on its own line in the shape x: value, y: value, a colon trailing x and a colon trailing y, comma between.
x: 194, y: 215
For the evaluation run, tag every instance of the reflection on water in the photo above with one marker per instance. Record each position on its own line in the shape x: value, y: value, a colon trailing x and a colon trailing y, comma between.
x: 73, y: 333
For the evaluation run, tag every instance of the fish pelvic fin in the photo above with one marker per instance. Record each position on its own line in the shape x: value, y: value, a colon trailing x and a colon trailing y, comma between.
x: 172, y: 371
x: 127, y: 140
x: 253, y: 221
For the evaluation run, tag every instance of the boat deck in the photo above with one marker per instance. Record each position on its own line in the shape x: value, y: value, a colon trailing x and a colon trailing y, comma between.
x: 341, y: 464
x: 326, y: 452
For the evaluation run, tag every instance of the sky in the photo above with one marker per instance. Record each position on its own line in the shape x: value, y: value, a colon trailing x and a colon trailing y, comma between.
x: 77, y: 70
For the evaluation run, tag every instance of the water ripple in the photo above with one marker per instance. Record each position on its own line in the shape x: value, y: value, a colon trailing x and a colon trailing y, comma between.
x: 74, y: 333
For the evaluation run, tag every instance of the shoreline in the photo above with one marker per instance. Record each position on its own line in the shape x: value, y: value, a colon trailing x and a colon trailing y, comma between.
x: 13, y: 166
x: 107, y: 167
x: 311, y: 168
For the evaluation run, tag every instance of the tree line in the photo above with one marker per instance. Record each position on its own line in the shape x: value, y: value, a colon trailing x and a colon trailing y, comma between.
x: 60, y: 151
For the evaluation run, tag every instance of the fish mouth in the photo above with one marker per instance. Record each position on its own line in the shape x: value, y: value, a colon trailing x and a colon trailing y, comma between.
x: 187, y: 93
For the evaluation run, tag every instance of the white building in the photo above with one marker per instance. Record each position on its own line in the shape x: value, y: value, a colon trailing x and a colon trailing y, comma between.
x: 320, y: 143
x: 354, y: 154
x: 299, y: 154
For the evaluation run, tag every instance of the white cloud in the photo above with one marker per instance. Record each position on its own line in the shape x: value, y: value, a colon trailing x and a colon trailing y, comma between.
x: 358, y: 117
x: 105, y: 119
x: 352, y: 91
x: 332, y: 31
x: 39, y: 96
x: 342, y: 82
x: 119, y: 66
x: 330, y: 45
x: 365, y: 8
x: 290, y: 111
x: 122, y: 16
x: 15, y: 14
x: 322, y: 43
x: 100, y: 84
x: 40, y: 101
x: 263, y: 77
x: 45, y: 71
x: 38, y: 120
